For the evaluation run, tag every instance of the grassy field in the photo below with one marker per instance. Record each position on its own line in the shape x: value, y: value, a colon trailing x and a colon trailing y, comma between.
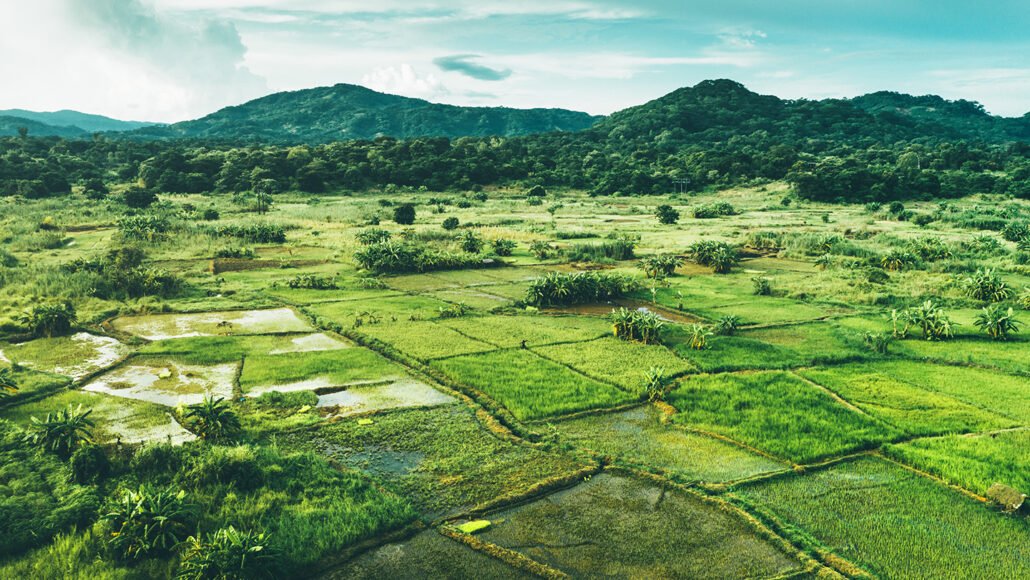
x: 898, y: 524
x: 791, y: 375
x: 777, y: 413
x: 529, y: 386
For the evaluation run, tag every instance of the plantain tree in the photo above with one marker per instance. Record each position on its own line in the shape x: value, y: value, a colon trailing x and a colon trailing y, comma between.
x: 8, y: 384
x: 212, y: 418
x: 997, y: 322
x: 62, y: 432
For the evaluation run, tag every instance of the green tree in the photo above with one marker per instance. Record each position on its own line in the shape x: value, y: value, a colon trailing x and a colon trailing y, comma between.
x: 404, y: 214
x: 666, y: 214
x: 138, y: 197
x: 450, y: 223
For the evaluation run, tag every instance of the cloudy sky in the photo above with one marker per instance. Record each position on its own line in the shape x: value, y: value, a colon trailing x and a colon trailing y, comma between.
x: 170, y: 60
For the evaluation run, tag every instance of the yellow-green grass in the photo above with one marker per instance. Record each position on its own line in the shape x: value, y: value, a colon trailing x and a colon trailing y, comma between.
x: 424, y: 340
x: 1012, y: 356
x: 218, y: 349
x: 898, y: 524
x: 974, y: 462
x: 389, y: 309
x: 617, y: 361
x: 529, y: 386
x: 477, y: 297
x: 731, y: 353
x: 1001, y: 393
x: 316, y: 369
x: 816, y: 342
x: 776, y: 412
x: 75, y: 355
x: 441, y: 458
x: 305, y: 296
x: 909, y: 407
x: 510, y: 331
x: 767, y: 309
x: 639, y: 435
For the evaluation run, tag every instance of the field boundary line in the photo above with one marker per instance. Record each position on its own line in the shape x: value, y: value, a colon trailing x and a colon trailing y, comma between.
x: 349, y: 553
x: 735, y: 442
x: 936, y: 479
x: 832, y: 394
x: 512, y: 558
x: 586, y: 413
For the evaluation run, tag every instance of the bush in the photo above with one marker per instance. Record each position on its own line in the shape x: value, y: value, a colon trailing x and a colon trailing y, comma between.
x: 761, y: 286
x: 470, y: 242
x: 287, y: 399
x: 541, y: 249
x: 138, y: 197
x: 369, y: 236
x: 228, y: 554
x: 404, y: 214
x: 502, y: 247
x: 312, y: 282
x: 660, y: 266
x: 89, y: 463
x: 713, y: 210
x: 236, y: 253
x: 616, y: 249
x: 49, y: 319
x: 149, y: 522
x: 666, y: 214
x: 1015, y: 231
x: 636, y: 326
x: 559, y: 289
x: 391, y: 258
x: 210, y: 215
x: 536, y: 191
x: 718, y: 255
x: 535, y: 201
x: 450, y: 223
x: 255, y: 233
x: 146, y: 228
x: 923, y: 219
x: 987, y: 286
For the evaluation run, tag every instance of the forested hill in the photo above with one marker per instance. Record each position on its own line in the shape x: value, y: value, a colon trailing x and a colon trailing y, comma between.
x: 9, y: 126
x: 84, y: 122
x: 344, y: 112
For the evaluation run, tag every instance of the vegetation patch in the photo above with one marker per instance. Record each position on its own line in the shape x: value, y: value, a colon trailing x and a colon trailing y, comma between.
x: 425, y: 340
x: 730, y: 353
x: 512, y: 331
x: 396, y: 395
x: 593, y: 530
x: 529, y: 386
x: 617, y: 361
x: 311, y: 370
x: 164, y: 326
x: 640, y: 435
x: 75, y: 356
x: 776, y: 412
x: 897, y: 523
x: 911, y: 408
x: 972, y: 462
x: 165, y: 381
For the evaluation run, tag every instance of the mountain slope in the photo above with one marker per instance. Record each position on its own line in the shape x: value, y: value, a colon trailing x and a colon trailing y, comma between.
x: 65, y: 118
x: 342, y: 112
x: 9, y: 126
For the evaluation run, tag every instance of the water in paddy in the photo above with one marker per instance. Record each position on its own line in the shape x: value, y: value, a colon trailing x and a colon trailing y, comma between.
x: 166, y: 382
x: 405, y: 393
x: 165, y: 326
x: 74, y: 356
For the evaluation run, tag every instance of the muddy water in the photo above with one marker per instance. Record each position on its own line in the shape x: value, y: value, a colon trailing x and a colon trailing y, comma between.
x: 404, y: 393
x: 166, y: 382
x: 165, y: 326
x: 311, y: 343
x: 75, y: 356
x: 606, y: 308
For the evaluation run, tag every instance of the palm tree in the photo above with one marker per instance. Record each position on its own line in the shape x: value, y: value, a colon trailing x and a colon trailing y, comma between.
x: 212, y: 418
x: 997, y: 322
x: 62, y: 431
x: 8, y: 384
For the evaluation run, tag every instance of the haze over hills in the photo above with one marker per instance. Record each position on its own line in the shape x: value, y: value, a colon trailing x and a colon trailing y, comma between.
x: 342, y: 112
x: 86, y: 122
x: 9, y: 126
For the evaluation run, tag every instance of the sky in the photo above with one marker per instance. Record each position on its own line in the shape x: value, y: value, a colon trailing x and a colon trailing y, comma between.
x: 172, y: 60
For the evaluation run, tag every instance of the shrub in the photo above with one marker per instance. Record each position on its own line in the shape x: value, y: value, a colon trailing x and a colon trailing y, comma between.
x: 1015, y: 231
x: 536, y: 191
x: 707, y: 252
x: 312, y: 282
x: 470, y: 242
x: 450, y: 223
x: 655, y: 385
x: 614, y: 249
x: 454, y: 310
x: 896, y: 207
x: 662, y: 265
x: 237, y: 253
x: 404, y: 214
x: 713, y: 210
x: 931, y: 249
x: 502, y: 247
x: 391, y: 258
x: 256, y: 233
x: 210, y: 215
x: 8, y: 384
x: 761, y: 286
x: 49, y: 319
x: 61, y: 432
x: 930, y: 318
x: 922, y: 219
x: 897, y: 260
x: 879, y: 342
x: 89, y: 463
x: 535, y: 201
x: 557, y: 289
x: 666, y: 214
x: 149, y: 522
x: 997, y: 322
x: 699, y: 334
x: 986, y: 285
x: 287, y: 399
x: 212, y: 418
x: 726, y: 325
x: 636, y: 326
x: 369, y: 236
x: 541, y: 249
x: 147, y: 228
x: 228, y: 554
x: 138, y: 197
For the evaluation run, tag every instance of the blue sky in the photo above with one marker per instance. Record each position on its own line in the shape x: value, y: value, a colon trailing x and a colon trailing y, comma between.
x: 169, y: 60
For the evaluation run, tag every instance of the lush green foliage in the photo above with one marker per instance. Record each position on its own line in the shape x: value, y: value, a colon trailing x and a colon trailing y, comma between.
x: 62, y: 431
x: 149, y: 522
x: 49, y: 319
x: 213, y: 418
x: 228, y: 554
x: 560, y: 289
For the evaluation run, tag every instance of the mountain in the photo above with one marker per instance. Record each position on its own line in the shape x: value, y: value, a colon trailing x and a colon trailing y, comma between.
x: 344, y: 112
x: 966, y: 117
x: 9, y: 126
x: 65, y: 118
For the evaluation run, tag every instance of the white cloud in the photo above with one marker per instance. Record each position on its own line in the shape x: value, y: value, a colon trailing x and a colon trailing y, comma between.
x: 403, y: 80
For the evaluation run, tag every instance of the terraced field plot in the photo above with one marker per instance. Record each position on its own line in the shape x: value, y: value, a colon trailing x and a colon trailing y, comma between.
x: 165, y: 326
x: 166, y: 382
x: 594, y: 530
x: 75, y: 356
x: 897, y: 523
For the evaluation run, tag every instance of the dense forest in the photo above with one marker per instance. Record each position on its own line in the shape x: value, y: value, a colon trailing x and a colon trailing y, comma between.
x: 879, y: 147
